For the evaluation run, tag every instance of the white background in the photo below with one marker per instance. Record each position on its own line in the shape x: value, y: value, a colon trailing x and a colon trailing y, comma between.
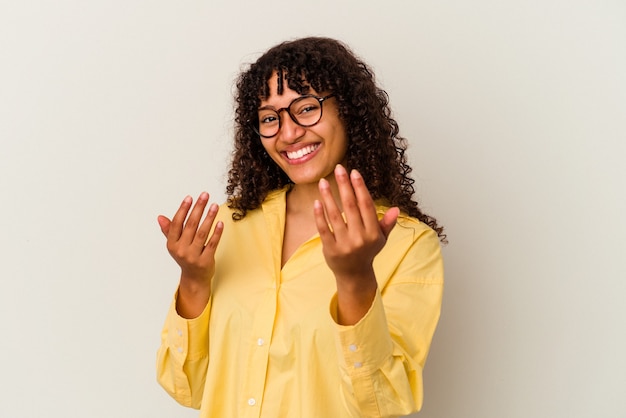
x: 112, y: 111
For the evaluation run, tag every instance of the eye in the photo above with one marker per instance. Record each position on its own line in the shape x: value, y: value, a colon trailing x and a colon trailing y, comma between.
x: 268, y: 118
x: 307, y: 106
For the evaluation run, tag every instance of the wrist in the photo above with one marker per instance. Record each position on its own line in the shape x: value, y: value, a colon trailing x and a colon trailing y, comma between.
x: 356, y: 282
x: 354, y: 297
x: 193, y: 295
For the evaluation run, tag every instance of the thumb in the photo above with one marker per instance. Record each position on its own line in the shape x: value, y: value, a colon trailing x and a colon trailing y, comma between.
x: 388, y: 221
x: 164, y: 223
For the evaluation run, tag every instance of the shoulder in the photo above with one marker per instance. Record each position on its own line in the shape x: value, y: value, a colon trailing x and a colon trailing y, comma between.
x: 408, y: 227
x: 412, y: 253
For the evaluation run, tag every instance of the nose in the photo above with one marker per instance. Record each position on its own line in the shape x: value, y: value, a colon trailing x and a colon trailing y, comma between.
x: 290, y: 131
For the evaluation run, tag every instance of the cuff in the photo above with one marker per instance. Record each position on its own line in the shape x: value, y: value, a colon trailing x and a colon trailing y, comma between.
x: 363, y: 347
x: 188, y: 339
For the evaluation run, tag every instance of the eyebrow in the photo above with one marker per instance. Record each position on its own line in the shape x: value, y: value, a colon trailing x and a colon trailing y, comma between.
x: 270, y: 107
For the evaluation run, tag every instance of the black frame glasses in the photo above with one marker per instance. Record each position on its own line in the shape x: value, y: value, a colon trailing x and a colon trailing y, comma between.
x: 256, y: 123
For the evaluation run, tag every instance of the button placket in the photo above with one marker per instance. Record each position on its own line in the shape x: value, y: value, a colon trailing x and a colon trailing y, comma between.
x: 258, y: 355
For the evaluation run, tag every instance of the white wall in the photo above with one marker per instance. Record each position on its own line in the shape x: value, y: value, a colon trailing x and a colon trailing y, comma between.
x: 111, y: 112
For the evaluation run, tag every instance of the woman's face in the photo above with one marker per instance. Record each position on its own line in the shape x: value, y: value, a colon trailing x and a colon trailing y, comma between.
x: 305, y: 154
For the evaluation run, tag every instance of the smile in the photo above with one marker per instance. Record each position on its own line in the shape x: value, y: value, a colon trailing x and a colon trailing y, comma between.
x: 293, y: 155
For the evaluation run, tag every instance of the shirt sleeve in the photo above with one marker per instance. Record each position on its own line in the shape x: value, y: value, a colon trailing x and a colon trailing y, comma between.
x: 381, y: 358
x: 183, y: 357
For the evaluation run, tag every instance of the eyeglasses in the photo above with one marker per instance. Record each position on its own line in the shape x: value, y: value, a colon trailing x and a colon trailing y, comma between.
x: 305, y: 110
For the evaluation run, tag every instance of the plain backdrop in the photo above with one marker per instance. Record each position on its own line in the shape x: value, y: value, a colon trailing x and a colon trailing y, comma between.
x: 112, y: 111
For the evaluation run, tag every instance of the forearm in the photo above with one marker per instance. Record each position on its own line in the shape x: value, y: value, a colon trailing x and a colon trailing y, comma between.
x: 355, y: 296
x: 193, y: 297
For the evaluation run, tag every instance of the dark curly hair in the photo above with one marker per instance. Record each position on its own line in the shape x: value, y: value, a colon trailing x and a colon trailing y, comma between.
x: 375, y: 147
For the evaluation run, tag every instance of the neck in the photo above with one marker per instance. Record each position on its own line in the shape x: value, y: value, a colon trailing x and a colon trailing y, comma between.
x: 301, y: 196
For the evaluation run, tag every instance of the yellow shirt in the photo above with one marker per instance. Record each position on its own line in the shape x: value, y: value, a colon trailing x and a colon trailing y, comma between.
x: 268, y: 345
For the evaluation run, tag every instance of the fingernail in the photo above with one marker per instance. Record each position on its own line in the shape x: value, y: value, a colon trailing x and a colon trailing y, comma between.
x: 355, y: 174
x: 324, y: 183
x: 204, y: 196
x: 187, y: 199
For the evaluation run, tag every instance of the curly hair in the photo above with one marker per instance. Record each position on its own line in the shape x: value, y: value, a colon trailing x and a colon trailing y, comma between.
x: 375, y: 147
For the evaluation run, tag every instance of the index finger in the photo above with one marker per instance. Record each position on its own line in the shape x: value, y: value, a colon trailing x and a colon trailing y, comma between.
x: 176, y: 227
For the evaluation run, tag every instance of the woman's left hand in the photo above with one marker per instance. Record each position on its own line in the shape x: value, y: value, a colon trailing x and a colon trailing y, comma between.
x: 350, y: 245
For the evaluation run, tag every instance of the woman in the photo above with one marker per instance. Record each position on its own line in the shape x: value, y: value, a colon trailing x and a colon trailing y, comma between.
x: 315, y: 291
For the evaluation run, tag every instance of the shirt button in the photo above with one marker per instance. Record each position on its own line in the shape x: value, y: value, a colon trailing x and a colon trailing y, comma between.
x: 251, y: 401
x: 352, y: 347
x: 358, y: 365
x: 179, y: 332
x: 260, y: 342
x: 180, y: 349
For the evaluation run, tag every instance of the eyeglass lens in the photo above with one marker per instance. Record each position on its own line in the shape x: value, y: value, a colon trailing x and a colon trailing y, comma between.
x: 305, y: 111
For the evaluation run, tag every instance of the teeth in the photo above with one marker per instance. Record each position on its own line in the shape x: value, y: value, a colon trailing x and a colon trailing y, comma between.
x: 301, y: 152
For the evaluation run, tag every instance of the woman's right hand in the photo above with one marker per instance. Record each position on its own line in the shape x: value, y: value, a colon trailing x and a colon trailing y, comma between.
x: 189, y: 244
